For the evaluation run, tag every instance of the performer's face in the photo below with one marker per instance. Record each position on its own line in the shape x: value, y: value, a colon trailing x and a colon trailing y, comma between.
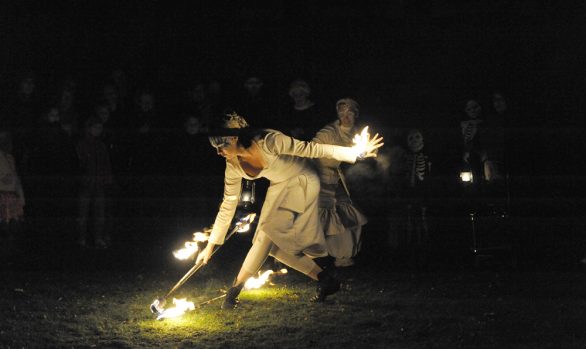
x: 227, y: 147
x: 346, y: 116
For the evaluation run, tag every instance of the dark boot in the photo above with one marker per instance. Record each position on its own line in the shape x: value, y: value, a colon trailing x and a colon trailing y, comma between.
x: 326, y: 285
x: 231, y: 300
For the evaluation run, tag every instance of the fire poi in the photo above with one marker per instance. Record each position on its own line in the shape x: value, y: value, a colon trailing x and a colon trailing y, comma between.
x: 158, y: 305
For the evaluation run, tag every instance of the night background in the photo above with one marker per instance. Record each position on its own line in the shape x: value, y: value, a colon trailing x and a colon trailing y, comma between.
x: 502, y: 265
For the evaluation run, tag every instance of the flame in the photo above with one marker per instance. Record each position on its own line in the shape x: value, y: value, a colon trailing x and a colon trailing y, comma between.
x: 244, y: 224
x: 254, y: 283
x: 200, y: 237
x: 360, y: 142
x: 181, y: 307
x: 190, y: 246
x: 186, y: 252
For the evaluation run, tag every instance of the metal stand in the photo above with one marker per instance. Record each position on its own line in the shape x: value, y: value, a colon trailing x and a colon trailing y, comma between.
x: 490, y: 229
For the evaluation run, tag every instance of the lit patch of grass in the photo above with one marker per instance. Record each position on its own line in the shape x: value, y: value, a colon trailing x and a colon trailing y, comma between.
x: 269, y: 293
x: 210, y: 320
x: 199, y: 320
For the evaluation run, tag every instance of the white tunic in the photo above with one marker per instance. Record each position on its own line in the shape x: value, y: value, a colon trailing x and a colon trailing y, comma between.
x: 294, y: 185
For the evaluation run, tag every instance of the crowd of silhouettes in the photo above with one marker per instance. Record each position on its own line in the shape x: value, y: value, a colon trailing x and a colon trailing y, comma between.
x: 79, y: 159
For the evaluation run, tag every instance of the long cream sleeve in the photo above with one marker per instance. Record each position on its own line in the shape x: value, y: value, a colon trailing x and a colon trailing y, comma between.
x: 232, y: 188
x: 281, y: 144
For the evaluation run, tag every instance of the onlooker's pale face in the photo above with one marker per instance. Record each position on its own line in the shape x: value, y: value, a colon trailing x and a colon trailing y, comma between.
x: 96, y: 130
x: 253, y: 85
x: 415, y: 141
x: 27, y: 86
x: 103, y: 113
x: 299, y: 95
x: 192, y: 126
x: 53, y: 115
x: 473, y: 109
x: 499, y: 103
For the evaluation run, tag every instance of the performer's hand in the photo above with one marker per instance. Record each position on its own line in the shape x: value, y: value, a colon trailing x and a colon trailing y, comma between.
x: 205, y: 255
x: 372, y: 147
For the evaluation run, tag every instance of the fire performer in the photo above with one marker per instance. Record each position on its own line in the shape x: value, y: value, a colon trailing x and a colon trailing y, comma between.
x: 341, y: 221
x: 288, y: 228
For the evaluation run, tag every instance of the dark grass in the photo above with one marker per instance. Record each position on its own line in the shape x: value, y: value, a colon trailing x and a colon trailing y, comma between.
x: 465, y: 309
x: 58, y: 296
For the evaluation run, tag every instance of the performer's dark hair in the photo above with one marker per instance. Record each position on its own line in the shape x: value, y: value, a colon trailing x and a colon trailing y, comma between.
x: 220, y: 128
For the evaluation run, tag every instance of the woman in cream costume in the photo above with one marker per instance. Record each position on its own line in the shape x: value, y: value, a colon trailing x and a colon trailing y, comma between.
x: 341, y: 221
x: 288, y: 228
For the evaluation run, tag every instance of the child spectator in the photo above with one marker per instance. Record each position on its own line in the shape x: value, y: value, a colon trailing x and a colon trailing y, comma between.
x: 96, y: 172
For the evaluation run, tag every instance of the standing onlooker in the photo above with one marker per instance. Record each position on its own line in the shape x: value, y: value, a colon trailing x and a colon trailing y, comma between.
x: 11, y: 194
x: 144, y: 153
x: 20, y: 115
x: 303, y: 119
x: 473, y: 154
x: 255, y: 105
x: 416, y: 193
x: 96, y: 175
x: 341, y: 221
x: 192, y: 161
x: 52, y: 166
x: 198, y: 103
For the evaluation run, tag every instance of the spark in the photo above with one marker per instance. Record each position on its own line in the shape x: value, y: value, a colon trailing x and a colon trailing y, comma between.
x: 181, y: 307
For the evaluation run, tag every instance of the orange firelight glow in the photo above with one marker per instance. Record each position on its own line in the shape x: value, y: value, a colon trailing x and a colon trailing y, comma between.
x: 258, y: 282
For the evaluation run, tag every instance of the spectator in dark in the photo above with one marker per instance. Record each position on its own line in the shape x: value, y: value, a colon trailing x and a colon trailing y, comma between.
x: 53, y: 166
x: 113, y: 101
x: 473, y: 151
x: 96, y: 176
x: 116, y: 134
x: 416, y: 192
x: 256, y: 105
x: 68, y: 113
x: 193, y: 161
x: 20, y: 116
x: 144, y: 154
x: 217, y: 97
x: 496, y: 129
x: 303, y: 118
x: 198, y: 103
x: 12, y: 200
x: 121, y: 82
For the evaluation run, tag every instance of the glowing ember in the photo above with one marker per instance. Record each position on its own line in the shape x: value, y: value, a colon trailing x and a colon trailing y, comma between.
x: 360, y: 142
x: 244, y: 224
x: 181, y: 307
x: 254, y: 283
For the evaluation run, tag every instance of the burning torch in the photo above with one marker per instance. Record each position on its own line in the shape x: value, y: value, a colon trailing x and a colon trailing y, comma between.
x: 243, y: 225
